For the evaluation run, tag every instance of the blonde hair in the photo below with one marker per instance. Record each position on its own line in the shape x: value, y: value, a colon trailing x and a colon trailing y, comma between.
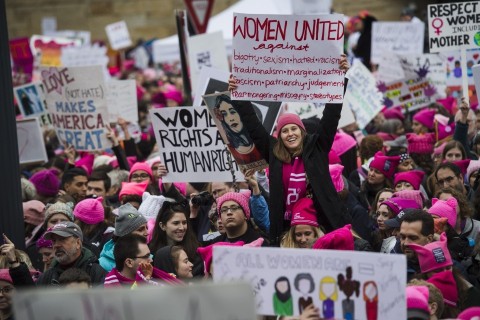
x: 288, y: 238
x: 328, y: 280
x: 281, y: 152
x: 21, y: 257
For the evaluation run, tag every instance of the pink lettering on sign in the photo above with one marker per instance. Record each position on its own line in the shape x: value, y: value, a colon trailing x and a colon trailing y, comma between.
x: 56, y: 79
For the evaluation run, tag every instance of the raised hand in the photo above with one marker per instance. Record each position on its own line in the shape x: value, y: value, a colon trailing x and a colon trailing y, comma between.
x: 232, y: 83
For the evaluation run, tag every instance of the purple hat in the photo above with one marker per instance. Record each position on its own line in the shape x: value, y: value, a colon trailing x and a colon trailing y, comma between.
x: 46, y: 182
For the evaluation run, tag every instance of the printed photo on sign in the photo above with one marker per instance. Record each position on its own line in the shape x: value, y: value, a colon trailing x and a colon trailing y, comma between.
x: 234, y: 132
x: 30, y: 99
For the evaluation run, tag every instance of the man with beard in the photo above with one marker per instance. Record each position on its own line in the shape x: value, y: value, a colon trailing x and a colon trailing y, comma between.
x: 417, y: 227
x: 74, y: 183
x: 67, y: 240
x: 449, y: 175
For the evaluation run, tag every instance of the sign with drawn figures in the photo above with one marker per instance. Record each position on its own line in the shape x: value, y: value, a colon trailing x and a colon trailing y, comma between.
x: 288, y: 57
x: 342, y: 284
x: 234, y: 132
x: 77, y: 103
x: 202, y: 301
x: 454, y: 66
x: 398, y: 37
x: 191, y: 146
x: 410, y: 94
x: 454, y: 26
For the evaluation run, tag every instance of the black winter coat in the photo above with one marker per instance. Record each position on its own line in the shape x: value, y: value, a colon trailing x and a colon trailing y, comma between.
x: 315, y: 158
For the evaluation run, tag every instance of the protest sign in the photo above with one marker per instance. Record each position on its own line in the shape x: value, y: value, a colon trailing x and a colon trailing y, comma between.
x: 288, y: 57
x: 191, y: 146
x: 213, y: 80
x: 389, y: 68
x: 118, y: 35
x: 308, y: 110
x: 362, y: 95
x: 410, y: 94
x: 48, y: 49
x: 30, y: 99
x: 454, y: 63
x: 49, y: 24
x: 122, y: 100
x: 22, y: 61
x: 234, y: 132
x: 31, y: 147
x: 398, y: 37
x: 453, y: 25
x: 206, y: 50
x: 342, y: 284
x: 476, y: 78
x: 76, y: 99
x: 311, y: 7
x: 205, y: 301
x: 86, y: 55
x: 83, y: 36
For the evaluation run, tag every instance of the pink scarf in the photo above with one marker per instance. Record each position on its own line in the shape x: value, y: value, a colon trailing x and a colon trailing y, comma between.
x: 294, y: 184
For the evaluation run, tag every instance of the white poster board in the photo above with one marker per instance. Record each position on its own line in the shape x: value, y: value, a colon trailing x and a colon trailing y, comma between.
x: 118, y: 35
x: 49, y: 24
x: 122, y: 100
x: 307, y: 110
x: 453, y: 26
x: 31, y: 146
x: 191, y: 146
x: 288, y: 57
x: 86, y: 55
x: 410, y: 94
x: 389, y: 68
x: 205, y: 301
x: 311, y: 6
x: 206, y: 50
x: 398, y: 37
x: 378, y: 280
x: 362, y: 95
x: 454, y: 63
x: 31, y: 99
x: 76, y: 97
x: 476, y: 78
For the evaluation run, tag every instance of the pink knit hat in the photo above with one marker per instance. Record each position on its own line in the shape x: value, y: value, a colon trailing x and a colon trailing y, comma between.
x: 340, y: 239
x: 34, y: 212
x: 288, y: 118
x: 174, y: 94
x: 445, y: 209
x: 448, y: 103
x: 333, y: 158
x: 445, y: 130
x: 46, y: 182
x: 421, y: 144
x: 394, y: 113
x: 472, y: 313
x: 415, y: 195
x: 386, y: 165
x: 398, y: 205
x: 336, y: 175
x: 417, y: 302
x: 425, y: 117
x: 413, y: 177
x: 90, y: 211
x: 5, y: 275
x: 141, y: 166
x: 239, y: 198
x: 463, y: 165
x: 473, y: 166
x: 304, y: 213
x: 132, y: 188
x: 434, y: 255
x: 342, y: 143
x: 44, y: 243
x: 206, y: 253
x: 86, y: 162
x: 439, y: 150
x: 445, y: 282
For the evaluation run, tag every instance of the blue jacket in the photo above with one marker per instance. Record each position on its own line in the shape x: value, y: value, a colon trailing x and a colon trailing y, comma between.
x: 107, y: 260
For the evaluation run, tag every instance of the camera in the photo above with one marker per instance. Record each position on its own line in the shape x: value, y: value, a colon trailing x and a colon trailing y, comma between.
x: 203, y: 199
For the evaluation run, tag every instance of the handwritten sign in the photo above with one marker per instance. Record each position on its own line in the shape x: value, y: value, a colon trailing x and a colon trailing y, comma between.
x: 288, y: 57
x: 30, y: 99
x: 31, y: 147
x: 122, y: 100
x: 205, y: 301
x: 191, y: 146
x: 453, y: 26
x: 410, y: 94
x: 362, y: 95
x: 77, y: 104
x: 234, y: 133
x: 342, y: 284
x: 398, y: 37
x: 118, y: 35
x: 454, y: 62
x: 87, y: 55
x: 48, y: 49
x: 389, y: 68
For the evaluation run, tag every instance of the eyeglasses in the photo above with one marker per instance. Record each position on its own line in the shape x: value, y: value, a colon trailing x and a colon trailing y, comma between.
x: 232, y: 208
x: 147, y: 256
x: 6, y: 290
x: 448, y: 180
x: 140, y: 176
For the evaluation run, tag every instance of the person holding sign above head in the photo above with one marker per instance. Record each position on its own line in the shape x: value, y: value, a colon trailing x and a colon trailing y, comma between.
x: 298, y: 155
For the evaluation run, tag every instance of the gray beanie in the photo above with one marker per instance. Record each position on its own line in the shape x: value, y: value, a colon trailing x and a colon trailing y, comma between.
x: 59, y: 207
x: 128, y: 220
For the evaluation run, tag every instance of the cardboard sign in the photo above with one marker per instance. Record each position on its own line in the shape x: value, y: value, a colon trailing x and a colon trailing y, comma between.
x: 342, y: 284
x: 87, y: 55
x: 410, y: 94
x: 311, y: 7
x: 191, y: 146
x: 206, y: 50
x: 205, y: 301
x: 76, y: 99
x: 362, y: 95
x: 122, y: 100
x: 308, y: 110
x: 288, y: 58
x: 234, y: 132
x: 452, y: 26
x: 31, y: 146
x: 199, y: 12
x: 398, y: 37
x: 118, y: 35
x: 30, y: 99
x: 454, y: 62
